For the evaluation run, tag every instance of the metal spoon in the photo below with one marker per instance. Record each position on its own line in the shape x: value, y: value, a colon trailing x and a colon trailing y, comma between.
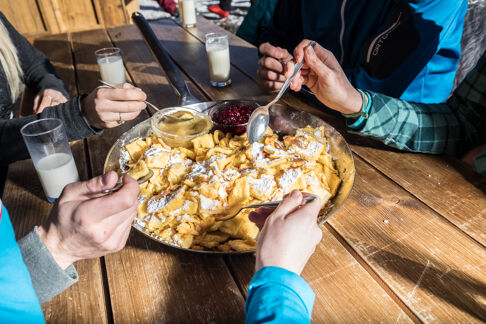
x: 271, y: 204
x: 120, y: 183
x: 259, y: 119
x: 148, y: 103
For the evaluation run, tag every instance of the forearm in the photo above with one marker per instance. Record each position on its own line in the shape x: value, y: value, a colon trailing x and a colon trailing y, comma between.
x: 276, y: 295
x: 427, y: 128
x: 47, y: 277
x: 12, y: 145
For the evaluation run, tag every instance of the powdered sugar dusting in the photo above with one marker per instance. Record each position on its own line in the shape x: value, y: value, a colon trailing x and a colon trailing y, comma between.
x: 288, y: 179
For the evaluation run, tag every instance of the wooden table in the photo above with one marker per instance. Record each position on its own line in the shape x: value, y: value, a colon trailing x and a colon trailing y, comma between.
x: 408, y: 245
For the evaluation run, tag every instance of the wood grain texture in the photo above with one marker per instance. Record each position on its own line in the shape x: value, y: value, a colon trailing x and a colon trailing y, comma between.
x: 149, y: 282
x: 331, y: 258
x: 177, y: 41
x: 23, y: 15
x: 437, y: 270
x: 443, y: 190
x: 345, y: 292
x: 145, y: 71
x: 25, y: 200
x: 443, y: 184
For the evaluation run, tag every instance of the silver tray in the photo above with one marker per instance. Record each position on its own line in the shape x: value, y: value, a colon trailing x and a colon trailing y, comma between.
x: 284, y: 120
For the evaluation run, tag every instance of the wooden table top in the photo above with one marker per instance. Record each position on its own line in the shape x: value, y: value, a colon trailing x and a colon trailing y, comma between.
x: 408, y: 245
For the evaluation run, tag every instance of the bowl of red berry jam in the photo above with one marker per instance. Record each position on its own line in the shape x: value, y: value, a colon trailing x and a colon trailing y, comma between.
x: 232, y: 118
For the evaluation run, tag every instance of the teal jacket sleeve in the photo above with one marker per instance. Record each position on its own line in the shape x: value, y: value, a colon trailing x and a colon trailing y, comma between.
x: 18, y: 301
x: 276, y: 295
x: 258, y: 18
x: 414, y: 56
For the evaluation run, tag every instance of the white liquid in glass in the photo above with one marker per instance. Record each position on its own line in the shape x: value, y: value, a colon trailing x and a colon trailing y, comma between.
x: 219, y: 62
x: 55, y: 172
x: 112, y: 69
x: 188, y: 12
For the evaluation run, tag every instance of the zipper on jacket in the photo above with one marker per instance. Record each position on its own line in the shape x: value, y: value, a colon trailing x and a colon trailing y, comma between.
x: 341, y: 35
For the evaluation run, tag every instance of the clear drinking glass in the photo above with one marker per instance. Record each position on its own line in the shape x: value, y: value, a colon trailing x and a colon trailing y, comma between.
x: 217, y: 50
x: 51, y: 154
x: 111, y: 65
x: 187, y: 11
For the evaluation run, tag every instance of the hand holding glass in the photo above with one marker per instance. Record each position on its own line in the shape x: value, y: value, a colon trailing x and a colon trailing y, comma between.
x: 50, y: 152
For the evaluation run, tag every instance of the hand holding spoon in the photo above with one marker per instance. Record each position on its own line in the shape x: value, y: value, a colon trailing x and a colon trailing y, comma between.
x: 259, y: 119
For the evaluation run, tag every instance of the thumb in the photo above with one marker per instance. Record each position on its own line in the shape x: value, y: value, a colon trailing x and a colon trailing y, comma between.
x: 288, y: 204
x: 315, y: 63
x: 90, y: 188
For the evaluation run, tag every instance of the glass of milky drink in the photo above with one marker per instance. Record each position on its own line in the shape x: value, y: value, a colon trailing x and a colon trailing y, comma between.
x: 111, y: 66
x: 187, y: 11
x: 217, y: 50
x: 49, y: 149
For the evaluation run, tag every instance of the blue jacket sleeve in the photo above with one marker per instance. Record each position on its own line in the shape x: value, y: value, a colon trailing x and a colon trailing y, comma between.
x: 276, y: 295
x: 414, y: 56
x: 18, y: 301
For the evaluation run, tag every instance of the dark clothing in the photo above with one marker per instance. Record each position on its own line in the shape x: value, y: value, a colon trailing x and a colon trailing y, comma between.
x: 39, y: 75
x: 225, y: 5
x: 406, y: 49
x: 168, y: 6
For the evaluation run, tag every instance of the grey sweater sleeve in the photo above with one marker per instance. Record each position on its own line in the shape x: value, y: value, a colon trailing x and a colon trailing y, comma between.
x: 48, y: 278
x: 12, y: 145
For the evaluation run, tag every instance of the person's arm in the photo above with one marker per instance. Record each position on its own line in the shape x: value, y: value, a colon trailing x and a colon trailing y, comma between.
x: 74, y: 231
x: 414, y: 56
x: 288, y: 237
x: 39, y: 74
x: 12, y: 145
x: 276, y: 295
x: 82, y: 117
x: 452, y: 128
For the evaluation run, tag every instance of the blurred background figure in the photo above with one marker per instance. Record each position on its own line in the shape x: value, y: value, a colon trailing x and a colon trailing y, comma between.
x: 169, y: 6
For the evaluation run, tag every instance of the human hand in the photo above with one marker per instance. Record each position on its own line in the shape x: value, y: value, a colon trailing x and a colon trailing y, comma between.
x: 106, y: 108
x: 48, y: 98
x: 323, y: 75
x: 86, y: 224
x: 271, y: 66
x: 289, y: 234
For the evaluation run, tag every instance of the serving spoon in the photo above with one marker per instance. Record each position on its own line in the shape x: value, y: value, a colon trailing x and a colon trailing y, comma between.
x: 259, y: 119
x: 271, y: 204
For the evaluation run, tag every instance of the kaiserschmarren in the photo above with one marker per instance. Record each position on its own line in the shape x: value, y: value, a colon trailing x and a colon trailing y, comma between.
x: 220, y: 174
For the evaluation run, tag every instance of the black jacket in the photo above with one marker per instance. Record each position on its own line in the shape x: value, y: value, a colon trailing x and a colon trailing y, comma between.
x: 39, y: 75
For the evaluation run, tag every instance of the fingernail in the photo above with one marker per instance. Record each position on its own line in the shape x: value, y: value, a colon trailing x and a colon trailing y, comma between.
x: 104, y: 179
x: 294, y: 194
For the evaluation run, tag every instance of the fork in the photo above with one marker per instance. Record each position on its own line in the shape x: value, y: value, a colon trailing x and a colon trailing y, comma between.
x: 271, y: 204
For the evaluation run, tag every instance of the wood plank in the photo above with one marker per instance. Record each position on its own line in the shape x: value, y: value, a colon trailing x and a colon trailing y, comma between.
x: 433, y: 243
x: 24, y: 197
x: 177, y: 40
x: 422, y: 175
x: 436, y: 269
x: 145, y: 71
x: 338, y: 281
x: 331, y: 255
x: 23, y: 15
x: 149, y: 282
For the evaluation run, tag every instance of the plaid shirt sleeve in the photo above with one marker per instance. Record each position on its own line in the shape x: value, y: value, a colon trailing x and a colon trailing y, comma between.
x: 452, y: 127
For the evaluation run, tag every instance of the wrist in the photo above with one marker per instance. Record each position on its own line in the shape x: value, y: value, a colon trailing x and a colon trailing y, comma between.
x: 353, y: 103
x: 54, y: 246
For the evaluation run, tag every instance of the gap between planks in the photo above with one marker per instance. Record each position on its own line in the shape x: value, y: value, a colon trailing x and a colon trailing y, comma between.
x: 196, y: 36
x: 225, y: 258
x: 89, y: 170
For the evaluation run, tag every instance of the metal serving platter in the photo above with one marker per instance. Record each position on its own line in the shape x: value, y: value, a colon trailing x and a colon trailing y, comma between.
x: 284, y: 120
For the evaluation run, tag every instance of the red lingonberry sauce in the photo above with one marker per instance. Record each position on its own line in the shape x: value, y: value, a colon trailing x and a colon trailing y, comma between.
x: 234, y: 114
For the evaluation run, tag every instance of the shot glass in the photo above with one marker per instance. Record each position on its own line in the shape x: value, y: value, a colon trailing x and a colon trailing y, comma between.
x: 217, y: 50
x: 188, y: 13
x: 111, y: 66
x: 51, y: 154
